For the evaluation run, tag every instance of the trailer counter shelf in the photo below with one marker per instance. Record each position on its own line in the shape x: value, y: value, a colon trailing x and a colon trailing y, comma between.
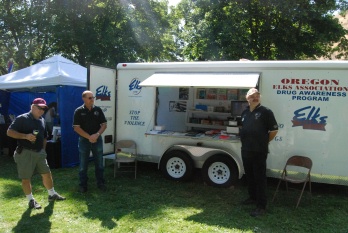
x: 204, y: 136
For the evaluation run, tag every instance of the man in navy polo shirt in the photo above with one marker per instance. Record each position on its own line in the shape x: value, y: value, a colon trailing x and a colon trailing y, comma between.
x: 259, y: 127
x: 89, y: 123
x: 30, y: 156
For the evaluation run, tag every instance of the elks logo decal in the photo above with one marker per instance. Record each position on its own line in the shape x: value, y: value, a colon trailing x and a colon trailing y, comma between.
x: 134, y: 86
x: 102, y: 93
x: 309, y: 118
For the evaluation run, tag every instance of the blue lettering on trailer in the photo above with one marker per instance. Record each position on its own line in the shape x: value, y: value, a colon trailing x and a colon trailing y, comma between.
x: 134, y: 86
x: 309, y: 118
x: 135, y: 118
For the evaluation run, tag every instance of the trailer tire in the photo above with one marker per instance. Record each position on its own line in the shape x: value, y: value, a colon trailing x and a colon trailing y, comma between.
x: 177, y: 165
x: 220, y: 171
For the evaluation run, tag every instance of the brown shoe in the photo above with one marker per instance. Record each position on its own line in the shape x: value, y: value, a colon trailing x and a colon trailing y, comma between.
x: 257, y: 212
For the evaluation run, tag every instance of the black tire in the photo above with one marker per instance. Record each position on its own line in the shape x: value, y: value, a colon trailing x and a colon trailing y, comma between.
x: 177, y: 165
x: 220, y: 171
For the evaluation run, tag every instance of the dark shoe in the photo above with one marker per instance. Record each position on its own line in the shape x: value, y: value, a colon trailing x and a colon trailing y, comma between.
x: 258, y: 212
x: 82, y: 189
x: 56, y: 197
x: 34, y: 205
x: 102, y: 187
x: 249, y: 201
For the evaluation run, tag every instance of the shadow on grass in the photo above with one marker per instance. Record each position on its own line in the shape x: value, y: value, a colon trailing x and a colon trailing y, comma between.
x: 102, y: 208
x: 35, y: 223
x: 8, y: 169
x: 151, y: 198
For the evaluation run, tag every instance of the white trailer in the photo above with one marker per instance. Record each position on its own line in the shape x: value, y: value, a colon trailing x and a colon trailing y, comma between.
x: 177, y: 113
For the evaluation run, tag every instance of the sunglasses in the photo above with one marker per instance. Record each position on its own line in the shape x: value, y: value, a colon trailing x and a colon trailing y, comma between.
x: 90, y: 98
x: 42, y: 109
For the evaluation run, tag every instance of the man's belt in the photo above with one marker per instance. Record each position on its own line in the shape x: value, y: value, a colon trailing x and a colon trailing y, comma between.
x: 36, y: 150
x: 19, y: 149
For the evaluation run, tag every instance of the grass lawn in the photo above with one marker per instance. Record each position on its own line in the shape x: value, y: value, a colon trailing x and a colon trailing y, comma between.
x: 153, y: 204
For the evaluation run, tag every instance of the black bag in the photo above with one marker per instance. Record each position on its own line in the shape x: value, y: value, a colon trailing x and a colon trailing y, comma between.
x: 19, y: 149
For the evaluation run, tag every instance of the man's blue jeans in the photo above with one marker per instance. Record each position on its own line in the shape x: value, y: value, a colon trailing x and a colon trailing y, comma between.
x: 85, y: 147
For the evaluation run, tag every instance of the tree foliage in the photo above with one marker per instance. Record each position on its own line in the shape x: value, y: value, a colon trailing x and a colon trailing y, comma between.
x: 259, y: 30
x: 103, y: 32
x: 107, y: 32
x: 23, y: 30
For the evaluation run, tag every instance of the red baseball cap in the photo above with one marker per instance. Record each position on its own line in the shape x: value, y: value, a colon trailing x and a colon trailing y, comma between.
x: 40, y: 102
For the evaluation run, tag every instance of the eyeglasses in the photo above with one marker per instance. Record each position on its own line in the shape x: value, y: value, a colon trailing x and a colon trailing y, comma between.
x: 254, y: 96
x: 93, y: 97
x: 42, y: 109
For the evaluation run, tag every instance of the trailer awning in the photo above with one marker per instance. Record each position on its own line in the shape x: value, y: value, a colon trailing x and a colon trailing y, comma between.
x: 212, y: 80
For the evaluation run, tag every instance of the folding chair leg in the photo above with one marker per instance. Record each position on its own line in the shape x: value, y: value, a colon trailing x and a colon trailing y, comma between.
x: 275, y: 193
x: 114, y: 169
x: 310, y: 190
x: 135, y: 172
x: 299, y: 199
x: 117, y: 166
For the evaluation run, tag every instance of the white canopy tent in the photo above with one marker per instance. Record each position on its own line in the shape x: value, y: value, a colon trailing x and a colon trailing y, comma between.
x: 55, y: 79
x: 54, y: 71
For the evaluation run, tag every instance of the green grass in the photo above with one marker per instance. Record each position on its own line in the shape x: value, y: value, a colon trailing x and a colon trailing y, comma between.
x: 153, y: 204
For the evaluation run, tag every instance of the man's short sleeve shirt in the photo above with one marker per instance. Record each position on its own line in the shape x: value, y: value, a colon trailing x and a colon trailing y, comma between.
x: 89, y: 120
x: 25, y: 124
x: 256, y: 126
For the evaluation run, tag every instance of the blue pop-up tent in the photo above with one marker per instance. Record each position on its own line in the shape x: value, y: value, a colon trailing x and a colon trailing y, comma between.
x: 55, y: 79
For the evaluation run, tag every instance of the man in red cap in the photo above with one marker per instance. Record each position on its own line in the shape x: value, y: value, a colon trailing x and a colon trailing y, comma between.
x: 30, y: 156
x: 259, y: 127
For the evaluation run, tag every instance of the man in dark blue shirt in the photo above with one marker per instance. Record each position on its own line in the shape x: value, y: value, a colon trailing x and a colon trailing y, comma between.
x: 89, y: 123
x: 259, y: 127
x: 30, y: 156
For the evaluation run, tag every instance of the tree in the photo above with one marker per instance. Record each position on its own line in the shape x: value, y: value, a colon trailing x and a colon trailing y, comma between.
x: 103, y: 32
x: 107, y: 32
x: 260, y: 30
x: 24, y: 31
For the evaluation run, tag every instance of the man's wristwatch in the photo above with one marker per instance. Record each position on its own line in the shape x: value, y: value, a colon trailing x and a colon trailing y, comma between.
x: 98, y: 133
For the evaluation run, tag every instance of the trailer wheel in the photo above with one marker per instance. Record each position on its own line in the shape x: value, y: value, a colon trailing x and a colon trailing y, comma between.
x: 177, y: 165
x: 220, y: 171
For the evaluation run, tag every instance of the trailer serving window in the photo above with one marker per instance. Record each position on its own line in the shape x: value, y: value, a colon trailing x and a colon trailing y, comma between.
x: 182, y: 112
x: 212, y: 80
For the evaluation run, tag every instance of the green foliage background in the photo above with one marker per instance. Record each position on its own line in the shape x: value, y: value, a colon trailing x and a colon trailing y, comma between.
x: 107, y: 32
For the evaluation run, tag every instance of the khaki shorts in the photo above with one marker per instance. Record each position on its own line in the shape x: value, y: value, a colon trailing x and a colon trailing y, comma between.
x: 31, y: 162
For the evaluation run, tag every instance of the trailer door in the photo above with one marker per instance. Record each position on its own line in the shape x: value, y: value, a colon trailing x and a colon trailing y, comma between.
x: 102, y: 82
